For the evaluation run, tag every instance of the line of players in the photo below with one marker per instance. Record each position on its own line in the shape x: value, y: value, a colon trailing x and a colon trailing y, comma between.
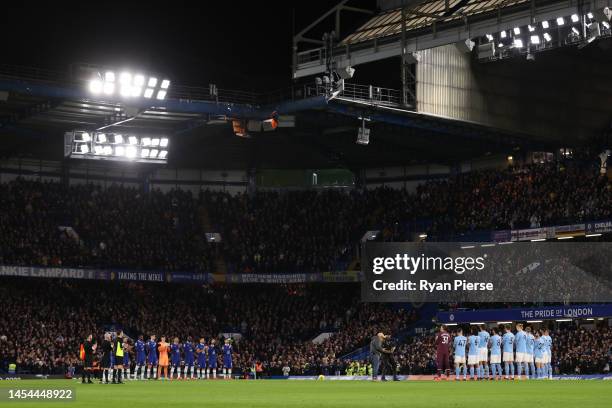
x: 530, y: 352
x: 186, y: 360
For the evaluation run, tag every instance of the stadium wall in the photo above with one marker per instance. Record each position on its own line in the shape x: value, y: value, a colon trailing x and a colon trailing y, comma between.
x: 562, y: 92
x: 164, y: 179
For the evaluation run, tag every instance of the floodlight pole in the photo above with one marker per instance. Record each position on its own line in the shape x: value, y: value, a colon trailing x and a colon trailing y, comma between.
x: 407, y: 76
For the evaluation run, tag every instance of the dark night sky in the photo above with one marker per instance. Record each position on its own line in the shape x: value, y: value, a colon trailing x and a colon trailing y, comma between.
x: 237, y: 45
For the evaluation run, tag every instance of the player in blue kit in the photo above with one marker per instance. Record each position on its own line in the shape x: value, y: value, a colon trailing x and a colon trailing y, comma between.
x: 212, y: 359
x: 547, y: 354
x: 459, y: 343
x: 175, y: 358
x: 227, y: 359
x: 483, y: 353
x: 529, y: 366
x: 520, y: 341
x: 126, y: 359
x: 189, y: 360
x: 151, y: 348
x: 139, y: 348
x: 201, y: 351
x: 539, y: 351
x: 474, y: 352
x: 495, y: 341
x: 508, y: 353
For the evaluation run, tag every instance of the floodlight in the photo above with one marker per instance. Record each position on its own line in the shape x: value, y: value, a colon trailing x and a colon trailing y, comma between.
x: 155, y: 142
x: 130, y: 152
x: 575, y: 18
x: 503, y: 34
x: 489, y: 37
x: 95, y: 86
x: 165, y: 84
x: 500, y: 45
x: 84, y: 148
x: 163, y: 154
x: 136, y: 91
x: 119, y: 151
x: 146, y: 141
x: 109, y: 76
x: 152, y: 82
x: 545, y: 24
x: 82, y: 137
x: 560, y: 21
x: 535, y: 39
x: 144, y: 153
x: 518, y: 43
x: 125, y: 78
x: 153, y: 153
x: 101, y: 138
x: 163, y: 142
x: 118, y: 138
x: 547, y: 37
x: 517, y: 31
x: 109, y: 88
x: 139, y: 80
x: 99, y: 149
x: 126, y: 90
x: 590, y: 15
x: 148, y: 93
x: 108, y: 150
x: 133, y: 140
x: 161, y: 95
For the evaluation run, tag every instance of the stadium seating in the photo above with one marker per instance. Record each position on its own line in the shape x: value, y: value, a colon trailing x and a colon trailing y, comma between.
x: 293, y: 231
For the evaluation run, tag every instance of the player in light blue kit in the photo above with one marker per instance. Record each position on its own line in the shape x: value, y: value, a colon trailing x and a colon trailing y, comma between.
x: 474, y: 352
x: 496, y: 342
x: 529, y: 366
x: 520, y: 340
x: 227, y: 359
x: 459, y: 343
x: 508, y: 353
x: 539, y: 351
x: 483, y: 353
x: 547, y: 354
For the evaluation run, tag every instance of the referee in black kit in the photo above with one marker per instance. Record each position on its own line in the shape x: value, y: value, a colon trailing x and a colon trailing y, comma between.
x: 89, y: 348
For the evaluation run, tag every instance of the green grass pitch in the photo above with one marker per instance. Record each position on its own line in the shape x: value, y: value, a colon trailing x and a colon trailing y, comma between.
x: 350, y: 394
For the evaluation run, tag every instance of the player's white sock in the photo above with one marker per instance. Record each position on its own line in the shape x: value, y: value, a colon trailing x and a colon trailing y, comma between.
x: 155, y: 372
x: 225, y: 373
x: 192, y: 371
x: 110, y: 373
x: 229, y: 373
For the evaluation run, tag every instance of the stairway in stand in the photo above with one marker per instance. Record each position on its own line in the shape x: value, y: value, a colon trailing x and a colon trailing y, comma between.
x: 219, y: 262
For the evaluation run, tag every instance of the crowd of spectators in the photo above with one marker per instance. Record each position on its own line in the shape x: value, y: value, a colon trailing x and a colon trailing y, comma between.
x: 277, y: 325
x: 51, y: 224
x: 276, y: 322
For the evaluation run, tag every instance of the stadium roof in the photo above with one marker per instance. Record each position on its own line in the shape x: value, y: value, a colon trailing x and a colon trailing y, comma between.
x: 39, y: 106
x: 424, y: 15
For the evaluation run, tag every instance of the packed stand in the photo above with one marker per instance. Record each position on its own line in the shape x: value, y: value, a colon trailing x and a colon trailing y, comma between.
x: 277, y: 322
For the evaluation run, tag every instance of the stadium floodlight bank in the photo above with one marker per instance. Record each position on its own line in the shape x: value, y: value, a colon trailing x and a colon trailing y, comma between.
x: 116, y: 147
x: 127, y: 85
x: 575, y: 29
